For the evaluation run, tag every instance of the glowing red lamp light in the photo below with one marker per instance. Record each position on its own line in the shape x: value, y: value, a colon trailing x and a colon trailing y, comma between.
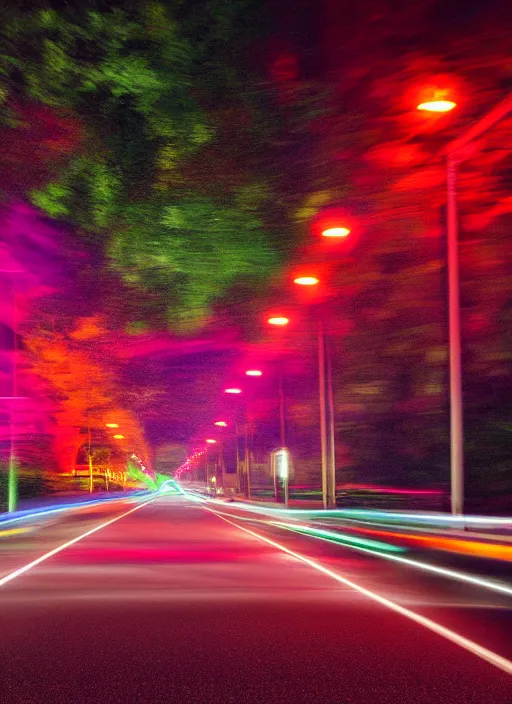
x: 437, y: 106
x: 306, y: 280
x: 336, y: 232
x: 253, y: 372
x: 278, y: 320
x: 211, y: 441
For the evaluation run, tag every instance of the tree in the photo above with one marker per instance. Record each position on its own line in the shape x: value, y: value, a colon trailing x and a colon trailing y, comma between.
x: 134, y: 81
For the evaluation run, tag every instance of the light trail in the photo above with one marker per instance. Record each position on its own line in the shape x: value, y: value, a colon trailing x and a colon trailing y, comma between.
x: 480, y: 651
x: 443, y: 571
x: 446, y: 519
x: 331, y: 536
x: 340, y: 538
x: 464, y: 546
x: 16, y: 573
x: 490, y: 550
x: 374, y: 514
x: 13, y: 531
x: 27, y: 514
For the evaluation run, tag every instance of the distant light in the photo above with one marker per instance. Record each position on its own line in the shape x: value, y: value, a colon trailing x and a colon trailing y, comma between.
x: 111, y: 425
x: 336, y: 232
x: 221, y: 423
x: 282, y: 460
x: 437, y: 106
x: 278, y: 321
x: 306, y: 280
x: 118, y: 437
x: 232, y: 391
x: 253, y: 372
x: 211, y: 441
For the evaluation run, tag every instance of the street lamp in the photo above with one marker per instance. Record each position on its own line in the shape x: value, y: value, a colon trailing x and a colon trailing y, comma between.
x: 278, y: 320
x: 253, y: 372
x: 211, y: 441
x: 232, y: 391
x: 118, y: 436
x: 326, y: 410
x: 111, y: 425
x: 221, y: 423
x: 455, y: 154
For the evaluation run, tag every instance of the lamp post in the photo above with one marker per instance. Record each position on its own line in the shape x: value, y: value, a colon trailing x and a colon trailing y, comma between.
x: 455, y: 154
x: 333, y: 225
x: 326, y: 402
x: 243, y: 478
x: 280, y: 321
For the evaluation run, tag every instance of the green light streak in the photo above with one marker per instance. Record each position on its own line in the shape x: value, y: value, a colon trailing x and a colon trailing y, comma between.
x: 340, y: 538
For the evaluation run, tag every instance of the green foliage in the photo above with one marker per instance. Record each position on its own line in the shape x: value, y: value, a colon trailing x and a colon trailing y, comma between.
x: 134, y: 79
x: 196, y: 251
x: 52, y: 200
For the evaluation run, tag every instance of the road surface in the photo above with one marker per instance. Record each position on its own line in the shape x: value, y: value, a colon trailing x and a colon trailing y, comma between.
x: 171, y: 601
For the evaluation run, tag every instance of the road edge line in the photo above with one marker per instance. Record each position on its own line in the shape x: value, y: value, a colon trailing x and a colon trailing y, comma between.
x: 17, y: 573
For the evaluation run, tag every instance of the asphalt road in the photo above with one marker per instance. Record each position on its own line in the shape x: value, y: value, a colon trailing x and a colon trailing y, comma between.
x: 175, y: 603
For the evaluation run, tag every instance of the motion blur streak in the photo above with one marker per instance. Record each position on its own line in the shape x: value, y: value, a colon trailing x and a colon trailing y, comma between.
x: 451, y: 574
x: 487, y: 655
x: 339, y: 537
x: 373, y: 515
x: 27, y: 514
x: 12, y: 531
x: 493, y: 551
x: 42, y: 558
x: 409, y: 517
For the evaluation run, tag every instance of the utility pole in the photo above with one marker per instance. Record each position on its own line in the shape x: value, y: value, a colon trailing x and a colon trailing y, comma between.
x: 89, y: 451
x: 456, y: 152
x: 326, y: 421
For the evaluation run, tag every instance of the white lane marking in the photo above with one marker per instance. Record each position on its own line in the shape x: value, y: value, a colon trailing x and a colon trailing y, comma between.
x: 478, y: 650
x: 16, y: 573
